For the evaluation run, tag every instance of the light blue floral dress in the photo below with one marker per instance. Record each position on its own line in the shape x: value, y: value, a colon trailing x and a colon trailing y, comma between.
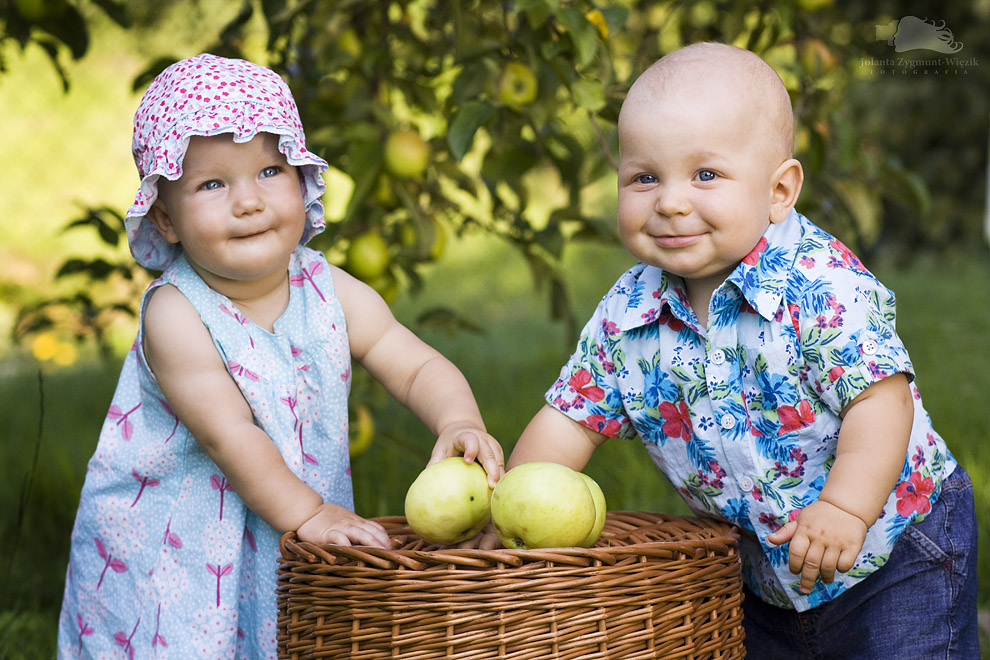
x: 166, y: 561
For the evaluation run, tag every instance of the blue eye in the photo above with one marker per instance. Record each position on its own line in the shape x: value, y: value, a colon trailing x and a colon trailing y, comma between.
x: 270, y: 171
x: 707, y: 175
x: 211, y: 185
x: 646, y: 178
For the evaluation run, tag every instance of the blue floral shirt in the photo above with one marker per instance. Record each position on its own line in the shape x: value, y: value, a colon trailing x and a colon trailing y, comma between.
x: 742, y: 416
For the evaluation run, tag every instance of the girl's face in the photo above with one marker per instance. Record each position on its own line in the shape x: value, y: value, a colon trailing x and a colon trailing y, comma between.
x: 237, y: 209
x: 694, y: 186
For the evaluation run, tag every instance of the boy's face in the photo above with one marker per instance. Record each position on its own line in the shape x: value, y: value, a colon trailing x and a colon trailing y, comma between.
x: 695, y: 179
x: 237, y: 209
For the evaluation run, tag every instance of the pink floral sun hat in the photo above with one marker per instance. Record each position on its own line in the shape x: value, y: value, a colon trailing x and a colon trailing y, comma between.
x: 208, y: 95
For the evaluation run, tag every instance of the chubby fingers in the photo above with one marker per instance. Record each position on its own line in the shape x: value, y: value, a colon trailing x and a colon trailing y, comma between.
x: 365, y: 532
x: 784, y: 534
x: 485, y: 449
x: 806, y: 560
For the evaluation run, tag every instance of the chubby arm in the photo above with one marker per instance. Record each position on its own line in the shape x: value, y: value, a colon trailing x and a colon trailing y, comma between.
x: 873, y: 439
x: 550, y: 436
x: 206, y: 399
x: 418, y: 376
x: 553, y: 436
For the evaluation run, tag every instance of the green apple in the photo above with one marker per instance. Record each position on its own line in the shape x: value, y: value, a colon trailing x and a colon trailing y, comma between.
x: 449, y: 501
x: 367, y: 256
x: 406, y: 154
x: 543, y: 505
x: 600, y: 509
x: 517, y: 85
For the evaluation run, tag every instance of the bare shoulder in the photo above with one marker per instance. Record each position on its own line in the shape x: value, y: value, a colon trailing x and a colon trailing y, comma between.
x: 368, y: 316
x: 173, y: 332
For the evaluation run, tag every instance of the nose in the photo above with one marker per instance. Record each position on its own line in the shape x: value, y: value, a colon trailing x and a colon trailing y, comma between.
x: 248, y: 199
x: 671, y: 200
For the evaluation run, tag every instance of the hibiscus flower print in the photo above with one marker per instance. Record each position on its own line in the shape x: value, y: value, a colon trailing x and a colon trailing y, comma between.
x: 914, y: 495
x: 581, y: 383
x: 677, y: 420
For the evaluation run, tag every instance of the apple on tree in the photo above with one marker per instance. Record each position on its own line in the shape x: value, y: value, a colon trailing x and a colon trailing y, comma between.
x: 517, y: 85
x: 547, y: 505
x: 449, y: 501
x: 406, y: 154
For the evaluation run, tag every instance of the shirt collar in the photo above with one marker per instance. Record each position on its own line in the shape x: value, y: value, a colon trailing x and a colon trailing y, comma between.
x: 761, y: 278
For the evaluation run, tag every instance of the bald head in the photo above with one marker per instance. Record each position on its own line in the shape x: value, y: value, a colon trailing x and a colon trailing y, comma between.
x: 726, y: 76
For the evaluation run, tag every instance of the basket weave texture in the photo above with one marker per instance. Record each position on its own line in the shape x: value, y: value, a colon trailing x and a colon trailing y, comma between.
x: 654, y: 586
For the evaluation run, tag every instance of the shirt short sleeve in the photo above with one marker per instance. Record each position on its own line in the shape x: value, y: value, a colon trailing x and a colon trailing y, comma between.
x: 848, y: 339
x: 588, y: 389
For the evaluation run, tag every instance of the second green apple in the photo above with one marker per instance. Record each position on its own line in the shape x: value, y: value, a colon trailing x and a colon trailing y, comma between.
x: 547, y: 505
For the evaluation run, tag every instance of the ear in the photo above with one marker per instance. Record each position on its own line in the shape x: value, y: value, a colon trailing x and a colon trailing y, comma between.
x: 785, y: 187
x: 160, y: 218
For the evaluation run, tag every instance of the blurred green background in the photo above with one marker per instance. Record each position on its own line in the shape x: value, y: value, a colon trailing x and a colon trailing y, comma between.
x: 498, y: 250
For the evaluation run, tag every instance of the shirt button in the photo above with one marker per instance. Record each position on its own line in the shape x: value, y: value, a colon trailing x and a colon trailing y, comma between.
x: 727, y: 421
x: 869, y: 347
x: 717, y: 356
x: 745, y: 484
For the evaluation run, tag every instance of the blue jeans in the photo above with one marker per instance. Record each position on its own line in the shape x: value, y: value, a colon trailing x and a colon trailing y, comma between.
x: 920, y: 605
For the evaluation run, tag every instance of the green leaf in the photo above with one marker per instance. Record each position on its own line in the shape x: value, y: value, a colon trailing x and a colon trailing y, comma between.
x: 466, y: 122
x: 588, y: 94
x: 863, y: 205
x: 583, y: 35
x: 116, y: 11
x: 70, y: 28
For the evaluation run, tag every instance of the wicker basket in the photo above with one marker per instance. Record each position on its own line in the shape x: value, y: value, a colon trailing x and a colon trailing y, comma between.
x: 654, y: 586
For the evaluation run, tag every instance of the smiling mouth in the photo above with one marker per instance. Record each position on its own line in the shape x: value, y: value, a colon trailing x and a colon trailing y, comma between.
x: 676, y: 241
x: 254, y: 234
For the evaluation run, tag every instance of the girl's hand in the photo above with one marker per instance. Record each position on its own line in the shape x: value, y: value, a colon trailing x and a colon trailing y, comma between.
x: 333, y: 524
x: 474, y: 443
x: 824, y: 539
x: 486, y: 539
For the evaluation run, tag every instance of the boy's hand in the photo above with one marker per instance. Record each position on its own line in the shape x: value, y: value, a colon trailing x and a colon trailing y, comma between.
x: 486, y: 539
x: 333, y: 524
x: 474, y: 443
x: 824, y: 539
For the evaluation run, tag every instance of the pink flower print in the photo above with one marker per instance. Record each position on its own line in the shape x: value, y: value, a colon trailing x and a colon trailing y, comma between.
x: 309, y: 458
x: 240, y: 370
x: 297, y: 426
x: 677, y: 420
x: 171, y: 537
x: 792, y: 419
x: 126, y: 426
x: 580, y: 383
x: 913, y: 495
x: 171, y: 412
x: 146, y: 482
x: 754, y: 255
x: 221, y: 484
x: 291, y: 402
x: 236, y: 315
x: 314, y: 268
x: 124, y: 641
x: 219, y: 572
x: 84, y: 628
x: 599, y: 423
x: 117, y: 565
x: 249, y: 535
x: 157, y: 639
x: 846, y: 254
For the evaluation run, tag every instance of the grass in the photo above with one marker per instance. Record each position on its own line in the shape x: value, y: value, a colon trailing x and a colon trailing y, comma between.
x: 944, y: 310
